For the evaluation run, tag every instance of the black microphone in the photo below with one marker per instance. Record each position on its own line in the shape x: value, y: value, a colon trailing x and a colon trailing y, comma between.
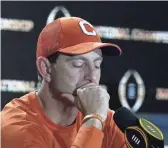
x: 139, y: 133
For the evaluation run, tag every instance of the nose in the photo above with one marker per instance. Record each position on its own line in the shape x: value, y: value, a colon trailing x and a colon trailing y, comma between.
x: 90, y: 75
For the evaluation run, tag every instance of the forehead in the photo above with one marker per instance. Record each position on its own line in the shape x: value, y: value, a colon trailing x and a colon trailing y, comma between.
x: 97, y: 53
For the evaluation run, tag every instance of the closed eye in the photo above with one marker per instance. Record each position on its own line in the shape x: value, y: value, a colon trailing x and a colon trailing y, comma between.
x: 78, y: 63
x: 98, y: 64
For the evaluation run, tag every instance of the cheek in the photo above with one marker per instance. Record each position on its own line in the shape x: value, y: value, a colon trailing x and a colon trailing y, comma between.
x: 72, y: 77
x: 75, y: 77
x: 65, y: 80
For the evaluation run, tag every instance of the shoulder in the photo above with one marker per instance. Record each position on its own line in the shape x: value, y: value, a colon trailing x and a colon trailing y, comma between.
x: 21, y: 102
x: 22, y: 135
x: 18, y: 108
x: 22, y: 125
x: 17, y: 118
x: 18, y: 125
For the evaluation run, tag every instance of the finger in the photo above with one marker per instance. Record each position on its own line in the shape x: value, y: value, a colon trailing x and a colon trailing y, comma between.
x: 88, y: 85
x: 91, y: 87
x: 95, y: 88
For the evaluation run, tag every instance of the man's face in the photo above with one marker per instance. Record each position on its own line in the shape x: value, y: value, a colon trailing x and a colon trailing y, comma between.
x: 72, y: 72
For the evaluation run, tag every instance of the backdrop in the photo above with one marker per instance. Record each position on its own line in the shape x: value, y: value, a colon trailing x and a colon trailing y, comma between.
x: 138, y: 79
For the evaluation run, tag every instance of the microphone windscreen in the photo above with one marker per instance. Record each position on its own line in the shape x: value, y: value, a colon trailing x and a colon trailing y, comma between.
x: 124, y: 118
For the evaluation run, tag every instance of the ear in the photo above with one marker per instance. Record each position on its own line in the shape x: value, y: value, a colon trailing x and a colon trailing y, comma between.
x: 43, y: 66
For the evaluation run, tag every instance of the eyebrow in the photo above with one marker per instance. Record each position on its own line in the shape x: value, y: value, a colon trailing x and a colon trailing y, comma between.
x: 83, y: 58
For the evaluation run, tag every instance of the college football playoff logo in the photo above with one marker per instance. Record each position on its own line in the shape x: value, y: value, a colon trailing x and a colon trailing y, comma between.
x: 131, y: 90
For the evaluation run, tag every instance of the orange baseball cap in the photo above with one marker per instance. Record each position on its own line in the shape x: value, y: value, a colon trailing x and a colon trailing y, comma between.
x: 72, y: 35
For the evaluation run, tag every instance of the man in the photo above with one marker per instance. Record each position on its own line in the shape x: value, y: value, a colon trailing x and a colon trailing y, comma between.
x: 71, y: 109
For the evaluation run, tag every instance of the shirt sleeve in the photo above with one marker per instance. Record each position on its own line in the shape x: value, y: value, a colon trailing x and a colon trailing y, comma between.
x: 116, y: 138
x: 88, y: 137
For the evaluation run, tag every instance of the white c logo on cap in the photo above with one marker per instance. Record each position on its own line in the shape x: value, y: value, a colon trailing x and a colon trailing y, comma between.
x: 82, y: 23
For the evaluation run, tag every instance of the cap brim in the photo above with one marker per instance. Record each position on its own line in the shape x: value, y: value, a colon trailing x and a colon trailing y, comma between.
x: 107, y: 48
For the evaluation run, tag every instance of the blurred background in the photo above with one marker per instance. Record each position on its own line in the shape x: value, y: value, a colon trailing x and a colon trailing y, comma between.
x: 137, y: 80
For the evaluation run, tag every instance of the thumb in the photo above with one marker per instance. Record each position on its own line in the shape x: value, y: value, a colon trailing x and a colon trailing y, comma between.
x: 79, y: 93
